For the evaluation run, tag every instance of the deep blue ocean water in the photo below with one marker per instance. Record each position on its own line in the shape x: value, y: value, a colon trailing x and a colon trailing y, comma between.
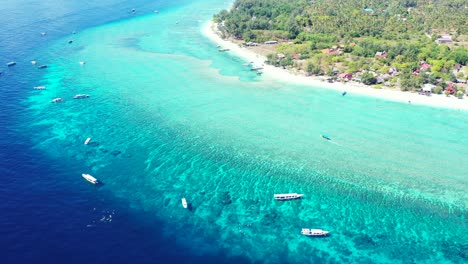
x: 44, y: 216
x: 171, y: 117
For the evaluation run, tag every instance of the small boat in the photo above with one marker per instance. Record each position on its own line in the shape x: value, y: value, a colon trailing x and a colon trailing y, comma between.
x: 57, y: 100
x: 42, y: 66
x: 156, y: 11
x: 33, y: 62
x: 39, y: 87
x: 90, y: 178
x: 256, y: 67
x: 80, y: 96
x: 343, y: 93
x: 223, y: 50
x: 43, y: 33
x: 87, y: 141
x: 11, y: 63
x: 325, y: 137
x: 287, y: 196
x: 70, y: 41
x: 82, y: 63
x: 259, y: 72
x: 314, y: 232
x: 133, y: 10
x: 184, y: 203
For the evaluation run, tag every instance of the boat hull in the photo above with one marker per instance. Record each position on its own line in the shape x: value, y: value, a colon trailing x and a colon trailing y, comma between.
x: 314, y: 232
x: 287, y: 196
x: 90, y: 178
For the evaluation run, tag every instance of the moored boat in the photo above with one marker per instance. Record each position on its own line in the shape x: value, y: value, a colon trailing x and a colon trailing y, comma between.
x: 80, y: 96
x: 39, y: 87
x: 57, y: 100
x: 184, y: 203
x: 87, y: 141
x: 314, y: 232
x: 287, y: 196
x: 325, y: 137
x: 42, y: 66
x: 90, y: 178
x: 11, y: 63
x: 256, y: 67
x: 223, y: 50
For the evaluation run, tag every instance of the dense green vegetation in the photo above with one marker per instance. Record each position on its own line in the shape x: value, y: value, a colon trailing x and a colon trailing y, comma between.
x: 347, y: 36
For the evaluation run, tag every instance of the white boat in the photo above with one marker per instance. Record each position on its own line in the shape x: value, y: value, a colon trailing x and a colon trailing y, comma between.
x: 314, y: 232
x: 256, y: 67
x: 287, y: 196
x: 39, y: 87
x: 82, y: 63
x: 90, y: 178
x: 57, y: 100
x: 87, y: 141
x: 80, y: 96
x: 184, y: 203
x: 33, y: 62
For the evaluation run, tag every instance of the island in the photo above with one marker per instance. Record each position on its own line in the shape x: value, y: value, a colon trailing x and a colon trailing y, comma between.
x: 407, y: 45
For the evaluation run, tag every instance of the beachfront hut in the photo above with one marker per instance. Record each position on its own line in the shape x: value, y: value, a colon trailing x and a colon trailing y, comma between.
x: 428, y: 87
x: 345, y: 76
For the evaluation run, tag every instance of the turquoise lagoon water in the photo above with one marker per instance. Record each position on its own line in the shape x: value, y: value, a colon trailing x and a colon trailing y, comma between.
x: 171, y: 117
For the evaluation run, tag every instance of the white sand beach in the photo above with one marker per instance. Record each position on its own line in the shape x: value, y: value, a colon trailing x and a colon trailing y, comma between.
x: 269, y: 71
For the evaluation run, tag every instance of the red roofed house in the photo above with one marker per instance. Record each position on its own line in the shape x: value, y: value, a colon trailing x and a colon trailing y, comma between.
x: 297, y: 56
x: 450, y: 88
x: 347, y: 76
x: 424, y: 66
x: 381, y: 55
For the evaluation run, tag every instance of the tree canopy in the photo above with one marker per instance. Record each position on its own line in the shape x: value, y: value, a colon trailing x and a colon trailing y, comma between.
x: 357, y: 35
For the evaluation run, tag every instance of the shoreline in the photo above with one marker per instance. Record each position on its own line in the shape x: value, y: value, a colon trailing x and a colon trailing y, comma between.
x: 271, y: 72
